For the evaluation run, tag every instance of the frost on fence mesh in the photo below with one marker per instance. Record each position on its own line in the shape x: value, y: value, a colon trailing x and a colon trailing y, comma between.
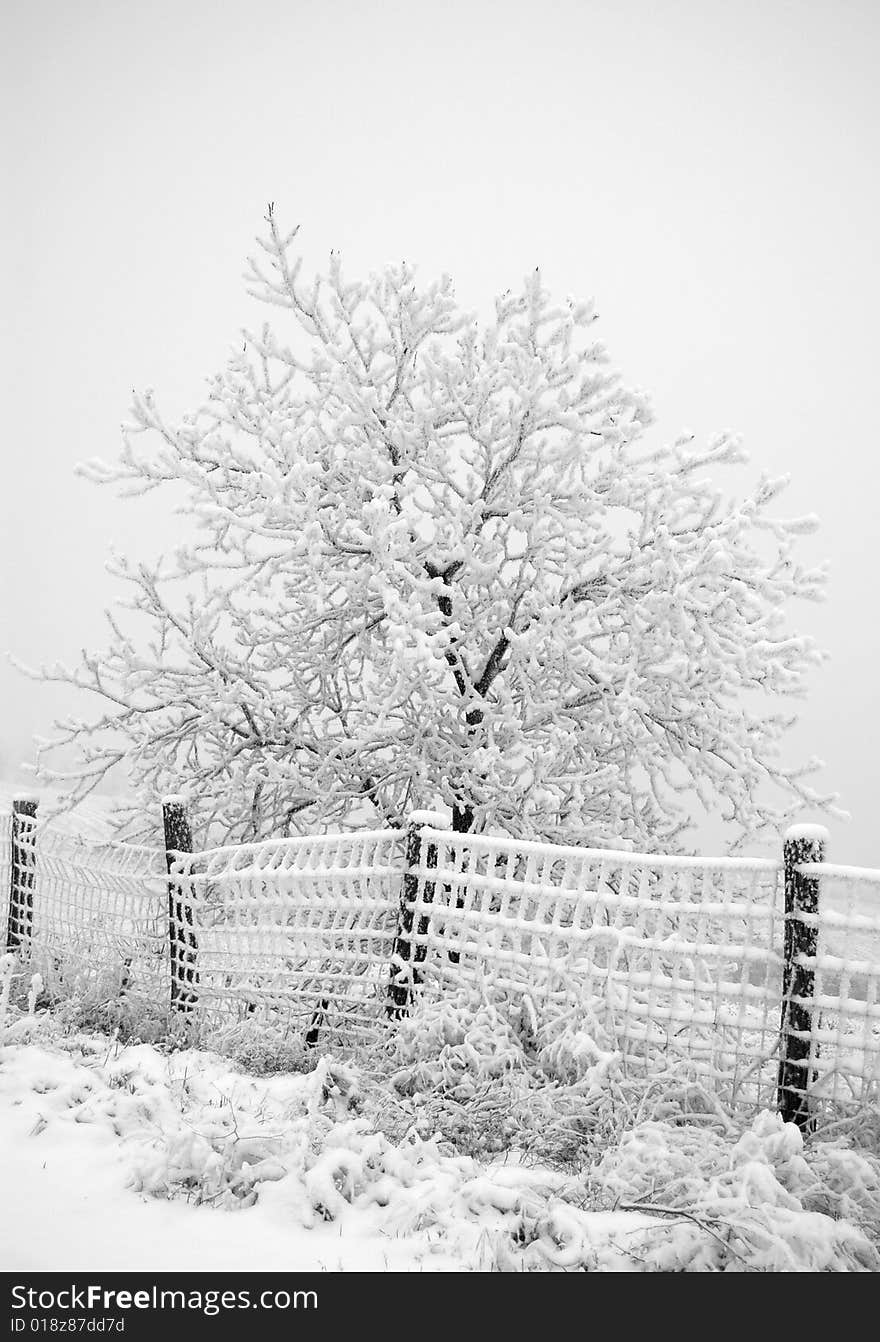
x: 675, y: 960
x: 5, y: 872
x: 90, y: 918
x: 844, y: 1054
x: 296, y: 932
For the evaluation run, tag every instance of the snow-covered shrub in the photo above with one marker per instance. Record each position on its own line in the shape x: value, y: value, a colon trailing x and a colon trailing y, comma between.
x: 7, y: 970
x: 654, y: 1187
x: 459, y: 1068
x: 845, y: 1183
x: 456, y: 1044
x: 224, y: 1171
x: 264, y: 1052
x: 572, y: 1046
x: 81, y: 967
x: 130, y: 1020
x: 91, y: 992
x: 361, y: 1167
x: 501, y: 1074
x: 747, y: 1204
x: 215, y: 1152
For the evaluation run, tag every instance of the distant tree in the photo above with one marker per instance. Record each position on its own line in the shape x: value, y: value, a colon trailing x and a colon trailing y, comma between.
x: 435, y: 563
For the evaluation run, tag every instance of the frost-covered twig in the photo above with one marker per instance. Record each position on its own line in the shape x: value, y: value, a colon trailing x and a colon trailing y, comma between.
x: 702, y: 1220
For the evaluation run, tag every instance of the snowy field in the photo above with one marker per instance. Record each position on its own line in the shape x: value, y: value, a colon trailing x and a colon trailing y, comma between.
x: 453, y: 1154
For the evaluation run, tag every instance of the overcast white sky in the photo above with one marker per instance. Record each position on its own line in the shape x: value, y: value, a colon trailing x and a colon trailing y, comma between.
x: 706, y: 170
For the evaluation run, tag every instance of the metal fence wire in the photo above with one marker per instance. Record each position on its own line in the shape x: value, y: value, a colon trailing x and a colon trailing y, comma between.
x: 678, y: 961
x: 673, y: 956
x: 91, y: 918
x: 298, y: 933
x: 679, y: 958
x: 843, y: 1056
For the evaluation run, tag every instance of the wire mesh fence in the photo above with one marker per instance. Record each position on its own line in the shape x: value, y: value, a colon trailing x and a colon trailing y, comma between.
x: 297, y: 933
x: 90, y: 918
x: 674, y: 958
x: 842, y: 1041
x: 678, y: 961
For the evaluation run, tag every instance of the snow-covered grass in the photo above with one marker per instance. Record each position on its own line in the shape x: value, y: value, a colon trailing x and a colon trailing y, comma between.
x: 480, y: 1138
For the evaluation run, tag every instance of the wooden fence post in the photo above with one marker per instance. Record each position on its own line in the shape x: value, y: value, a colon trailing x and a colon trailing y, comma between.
x: 403, y: 980
x: 319, y: 1015
x: 181, y: 935
x: 22, y: 875
x: 803, y: 844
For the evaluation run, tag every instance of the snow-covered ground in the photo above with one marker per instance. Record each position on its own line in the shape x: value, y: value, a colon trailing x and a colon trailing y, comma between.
x: 74, y: 1183
x: 125, y: 1157
x: 115, y: 1147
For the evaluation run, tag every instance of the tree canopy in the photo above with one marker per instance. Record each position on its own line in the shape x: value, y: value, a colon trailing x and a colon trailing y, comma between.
x: 438, y: 561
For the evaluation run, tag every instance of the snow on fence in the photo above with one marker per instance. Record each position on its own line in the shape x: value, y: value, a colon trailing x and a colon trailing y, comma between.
x: 725, y: 966
x: 297, y: 931
x: 758, y: 977
x: 672, y: 956
x: 89, y: 917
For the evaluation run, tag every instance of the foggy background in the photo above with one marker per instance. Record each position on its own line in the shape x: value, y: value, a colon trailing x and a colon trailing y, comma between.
x: 707, y: 171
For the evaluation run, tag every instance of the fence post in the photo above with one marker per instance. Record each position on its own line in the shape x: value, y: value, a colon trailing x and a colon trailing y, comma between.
x: 405, y: 951
x: 319, y: 1015
x: 802, y: 844
x: 181, y: 935
x: 22, y: 874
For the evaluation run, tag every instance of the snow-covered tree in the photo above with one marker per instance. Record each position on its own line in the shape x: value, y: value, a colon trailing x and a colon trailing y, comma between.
x: 437, y: 562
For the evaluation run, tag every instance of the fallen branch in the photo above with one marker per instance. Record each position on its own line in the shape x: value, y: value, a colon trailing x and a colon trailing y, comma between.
x: 649, y: 1208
